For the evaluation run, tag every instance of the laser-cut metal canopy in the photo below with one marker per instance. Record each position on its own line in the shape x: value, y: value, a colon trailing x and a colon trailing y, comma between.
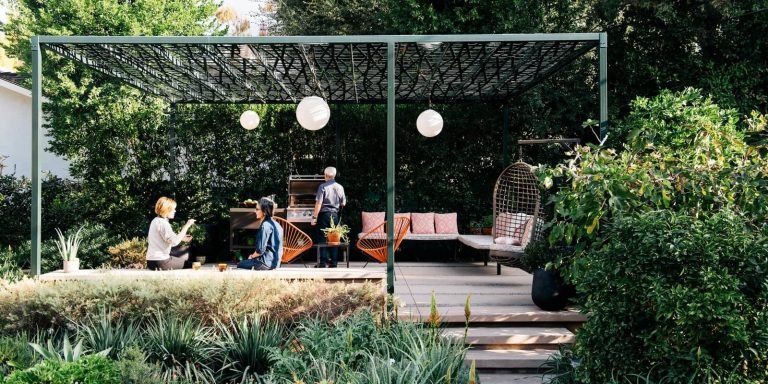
x: 439, y: 69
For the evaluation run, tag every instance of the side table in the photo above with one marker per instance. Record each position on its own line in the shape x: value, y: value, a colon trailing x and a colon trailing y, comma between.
x: 342, y: 247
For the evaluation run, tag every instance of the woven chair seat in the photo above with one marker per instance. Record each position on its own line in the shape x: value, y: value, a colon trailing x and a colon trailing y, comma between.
x: 374, y: 242
x: 295, y: 241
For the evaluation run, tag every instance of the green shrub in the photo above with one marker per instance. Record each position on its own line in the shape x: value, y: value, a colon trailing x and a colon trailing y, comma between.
x: 135, y: 370
x: 677, y: 299
x: 15, y: 354
x: 9, y: 268
x: 89, y: 369
x: 676, y: 151
x: 63, y: 207
x: 35, y: 305
x: 92, y: 252
x: 129, y: 254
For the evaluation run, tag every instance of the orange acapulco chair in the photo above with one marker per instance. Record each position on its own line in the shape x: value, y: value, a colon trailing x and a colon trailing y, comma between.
x: 374, y: 242
x: 295, y: 241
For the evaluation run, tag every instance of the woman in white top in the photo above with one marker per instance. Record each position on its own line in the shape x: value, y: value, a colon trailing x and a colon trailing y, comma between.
x: 161, y: 237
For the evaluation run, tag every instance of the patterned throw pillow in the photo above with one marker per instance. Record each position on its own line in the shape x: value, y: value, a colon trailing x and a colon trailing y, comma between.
x: 423, y: 223
x: 446, y: 223
x: 527, y: 233
x: 521, y: 231
x: 507, y: 224
x: 371, y: 220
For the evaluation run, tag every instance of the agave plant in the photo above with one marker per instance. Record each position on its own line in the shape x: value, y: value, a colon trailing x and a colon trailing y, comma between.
x: 68, y: 245
x: 181, y: 346
x: 245, y: 347
x: 103, y: 334
x: 67, y: 353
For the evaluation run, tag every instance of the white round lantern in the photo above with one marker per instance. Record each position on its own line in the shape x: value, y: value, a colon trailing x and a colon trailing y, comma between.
x: 249, y: 120
x: 429, y: 123
x: 313, y: 113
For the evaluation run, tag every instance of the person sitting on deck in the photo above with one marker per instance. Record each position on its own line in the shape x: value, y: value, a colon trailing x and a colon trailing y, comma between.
x: 161, y: 237
x: 269, y: 240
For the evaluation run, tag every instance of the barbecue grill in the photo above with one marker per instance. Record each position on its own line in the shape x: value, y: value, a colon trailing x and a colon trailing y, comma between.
x: 301, y: 197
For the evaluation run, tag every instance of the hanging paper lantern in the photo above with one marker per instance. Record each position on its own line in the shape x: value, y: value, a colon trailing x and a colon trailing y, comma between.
x: 313, y: 113
x: 249, y: 120
x: 429, y: 123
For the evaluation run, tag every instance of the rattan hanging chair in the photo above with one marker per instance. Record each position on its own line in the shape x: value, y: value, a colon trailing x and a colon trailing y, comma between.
x: 518, y: 216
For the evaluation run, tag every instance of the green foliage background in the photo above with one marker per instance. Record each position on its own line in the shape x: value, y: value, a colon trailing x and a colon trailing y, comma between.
x: 117, y: 139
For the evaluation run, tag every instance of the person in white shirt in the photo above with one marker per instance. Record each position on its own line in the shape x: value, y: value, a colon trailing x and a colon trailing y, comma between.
x: 162, y: 238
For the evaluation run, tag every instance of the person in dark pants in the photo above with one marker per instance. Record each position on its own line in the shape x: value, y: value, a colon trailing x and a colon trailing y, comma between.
x: 269, y: 240
x: 329, y: 200
x: 161, y: 237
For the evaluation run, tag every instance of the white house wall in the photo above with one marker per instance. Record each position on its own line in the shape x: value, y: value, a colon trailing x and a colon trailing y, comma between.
x: 16, y: 135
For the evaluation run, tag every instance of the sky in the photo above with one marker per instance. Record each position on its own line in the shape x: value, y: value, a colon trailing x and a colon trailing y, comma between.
x: 243, y: 7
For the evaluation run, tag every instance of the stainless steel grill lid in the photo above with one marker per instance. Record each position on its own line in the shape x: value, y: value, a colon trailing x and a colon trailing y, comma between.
x: 301, y: 197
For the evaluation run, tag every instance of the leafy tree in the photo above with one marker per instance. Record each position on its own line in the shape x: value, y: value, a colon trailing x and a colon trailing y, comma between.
x: 114, y: 136
x: 717, y: 46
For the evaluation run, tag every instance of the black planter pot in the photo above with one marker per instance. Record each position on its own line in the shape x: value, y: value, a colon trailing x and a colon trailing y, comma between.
x: 549, y: 292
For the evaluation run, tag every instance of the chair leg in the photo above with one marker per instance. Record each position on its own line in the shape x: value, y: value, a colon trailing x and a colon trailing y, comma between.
x: 498, y: 268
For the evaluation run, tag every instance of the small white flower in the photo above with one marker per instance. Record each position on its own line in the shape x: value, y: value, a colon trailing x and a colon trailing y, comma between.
x: 391, y: 361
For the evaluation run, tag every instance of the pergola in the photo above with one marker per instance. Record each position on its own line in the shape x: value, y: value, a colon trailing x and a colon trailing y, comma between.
x: 340, y: 69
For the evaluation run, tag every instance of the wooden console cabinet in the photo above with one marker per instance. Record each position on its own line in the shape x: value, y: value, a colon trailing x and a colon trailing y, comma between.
x: 243, y: 226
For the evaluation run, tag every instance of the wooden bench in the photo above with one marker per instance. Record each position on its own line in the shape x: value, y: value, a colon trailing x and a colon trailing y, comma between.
x: 485, y: 243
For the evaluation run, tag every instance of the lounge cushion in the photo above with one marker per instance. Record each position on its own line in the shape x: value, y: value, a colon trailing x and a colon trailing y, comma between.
x: 446, y: 223
x: 371, y: 220
x: 423, y: 223
x: 476, y: 241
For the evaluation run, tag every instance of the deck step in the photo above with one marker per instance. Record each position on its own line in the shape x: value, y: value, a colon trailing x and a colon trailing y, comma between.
x: 493, y: 314
x: 458, y: 299
x: 511, y: 378
x: 529, y: 359
x: 512, y: 337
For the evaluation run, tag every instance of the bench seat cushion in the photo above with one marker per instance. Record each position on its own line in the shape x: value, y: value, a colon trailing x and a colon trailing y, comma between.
x: 507, y: 248
x: 477, y: 241
x: 415, y: 236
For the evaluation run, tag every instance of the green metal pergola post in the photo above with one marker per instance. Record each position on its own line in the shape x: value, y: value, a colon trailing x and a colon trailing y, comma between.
x: 172, y: 162
x: 390, y: 167
x: 37, y: 88
x: 603, y: 53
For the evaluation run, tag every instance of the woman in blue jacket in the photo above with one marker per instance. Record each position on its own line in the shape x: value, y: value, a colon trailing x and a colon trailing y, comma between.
x: 269, y: 240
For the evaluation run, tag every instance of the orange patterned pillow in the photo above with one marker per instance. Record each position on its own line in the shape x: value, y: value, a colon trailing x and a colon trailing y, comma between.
x: 423, y: 223
x: 371, y: 220
x: 446, y: 223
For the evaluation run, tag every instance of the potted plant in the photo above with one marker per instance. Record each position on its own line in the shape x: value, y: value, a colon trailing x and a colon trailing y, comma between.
x: 482, y: 226
x: 68, y: 247
x: 335, y: 233
x: 194, y: 245
x: 548, y: 289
